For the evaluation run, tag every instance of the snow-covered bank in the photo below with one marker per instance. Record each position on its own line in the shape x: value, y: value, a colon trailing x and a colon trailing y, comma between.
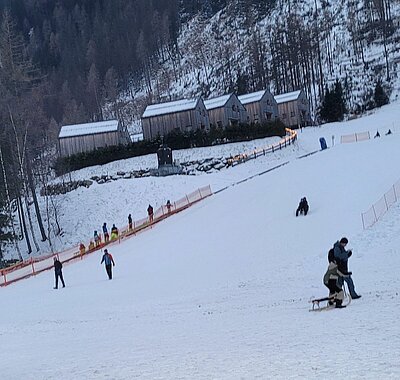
x: 221, y: 290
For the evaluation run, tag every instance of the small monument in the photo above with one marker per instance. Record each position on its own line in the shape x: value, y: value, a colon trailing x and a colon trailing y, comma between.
x: 166, y: 165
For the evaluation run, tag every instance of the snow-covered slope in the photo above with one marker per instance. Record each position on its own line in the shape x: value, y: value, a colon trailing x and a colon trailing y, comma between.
x: 221, y: 290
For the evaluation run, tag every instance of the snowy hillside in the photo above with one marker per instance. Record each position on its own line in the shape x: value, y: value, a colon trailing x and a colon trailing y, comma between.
x: 82, y: 211
x: 221, y: 290
x: 339, y: 39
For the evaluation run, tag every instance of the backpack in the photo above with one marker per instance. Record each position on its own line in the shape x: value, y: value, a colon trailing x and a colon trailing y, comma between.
x: 331, y: 256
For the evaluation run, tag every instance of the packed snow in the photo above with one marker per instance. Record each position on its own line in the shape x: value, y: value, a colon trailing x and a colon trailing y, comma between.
x: 221, y: 290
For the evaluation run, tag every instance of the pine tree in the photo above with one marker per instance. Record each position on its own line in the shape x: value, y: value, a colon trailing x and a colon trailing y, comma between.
x: 380, y: 97
x: 333, y: 105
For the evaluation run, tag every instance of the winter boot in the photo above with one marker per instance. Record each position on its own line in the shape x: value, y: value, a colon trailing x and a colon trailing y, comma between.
x: 339, y: 304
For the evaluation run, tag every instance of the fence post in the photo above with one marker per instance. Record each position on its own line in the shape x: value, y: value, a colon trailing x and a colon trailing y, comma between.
x: 395, y: 195
x: 187, y: 200
x: 201, y: 197
x: 362, y: 218
x: 373, y: 208
x: 5, y: 278
x: 33, y: 268
x: 384, y: 197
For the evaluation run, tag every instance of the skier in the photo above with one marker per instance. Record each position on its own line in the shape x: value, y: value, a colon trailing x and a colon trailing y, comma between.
x: 58, y: 272
x: 377, y: 135
x: 105, y: 233
x: 341, y: 257
x: 168, y: 206
x: 150, y: 213
x: 303, y: 207
x: 332, y: 282
x: 108, y: 260
x: 389, y: 132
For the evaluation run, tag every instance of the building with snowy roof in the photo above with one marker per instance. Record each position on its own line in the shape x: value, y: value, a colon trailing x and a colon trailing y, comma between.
x: 261, y: 107
x: 294, y: 109
x: 79, y: 138
x: 185, y: 115
x: 225, y: 111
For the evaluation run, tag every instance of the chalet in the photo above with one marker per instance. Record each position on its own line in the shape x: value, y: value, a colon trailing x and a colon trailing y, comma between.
x: 79, y: 138
x: 261, y: 106
x: 294, y: 109
x: 225, y: 111
x: 184, y: 115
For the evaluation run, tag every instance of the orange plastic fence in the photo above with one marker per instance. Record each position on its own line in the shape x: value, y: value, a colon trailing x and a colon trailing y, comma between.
x: 290, y: 137
x: 35, y: 265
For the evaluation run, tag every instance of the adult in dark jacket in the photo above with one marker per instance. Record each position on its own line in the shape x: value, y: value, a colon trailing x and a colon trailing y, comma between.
x: 108, y: 260
x: 150, y: 213
x: 341, y: 256
x: 303, y: 207
x: 58, y: 272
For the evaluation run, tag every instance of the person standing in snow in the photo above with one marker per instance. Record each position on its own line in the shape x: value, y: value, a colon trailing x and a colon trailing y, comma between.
x: 114, y: 232
x: 341, y: 258
x: 129, y: 222
x: 150, y: 213
x: 97, y: 238
x: 58, y: 272
x: 108, y: 261
x: 105, y: 233
x: 168, y: 206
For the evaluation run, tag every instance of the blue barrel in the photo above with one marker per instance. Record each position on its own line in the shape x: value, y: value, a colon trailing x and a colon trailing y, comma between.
x: 323, y: 143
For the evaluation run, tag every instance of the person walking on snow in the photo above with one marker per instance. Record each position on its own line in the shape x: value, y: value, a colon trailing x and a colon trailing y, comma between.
x: 58, y: 272
x: 108, y: 261
x: 341, y: 258
x: 129, y: 222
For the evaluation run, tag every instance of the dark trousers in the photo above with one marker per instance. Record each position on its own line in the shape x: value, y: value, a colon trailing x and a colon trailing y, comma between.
x: 109, y: 271
x: 59, y: 274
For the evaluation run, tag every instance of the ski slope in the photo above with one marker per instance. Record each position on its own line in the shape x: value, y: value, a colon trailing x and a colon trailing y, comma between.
x: 221, y: 290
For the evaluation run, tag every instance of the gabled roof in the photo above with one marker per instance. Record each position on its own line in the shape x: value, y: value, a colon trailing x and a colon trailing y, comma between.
x: 88, y: 128
x: 220, y: 101
x: 288, y: 97
x: 170, y: 107
x: 253, y: 97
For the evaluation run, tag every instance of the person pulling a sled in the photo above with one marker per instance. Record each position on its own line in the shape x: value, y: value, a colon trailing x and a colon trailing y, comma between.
x: 303, y: 207
x: 341, y: 257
